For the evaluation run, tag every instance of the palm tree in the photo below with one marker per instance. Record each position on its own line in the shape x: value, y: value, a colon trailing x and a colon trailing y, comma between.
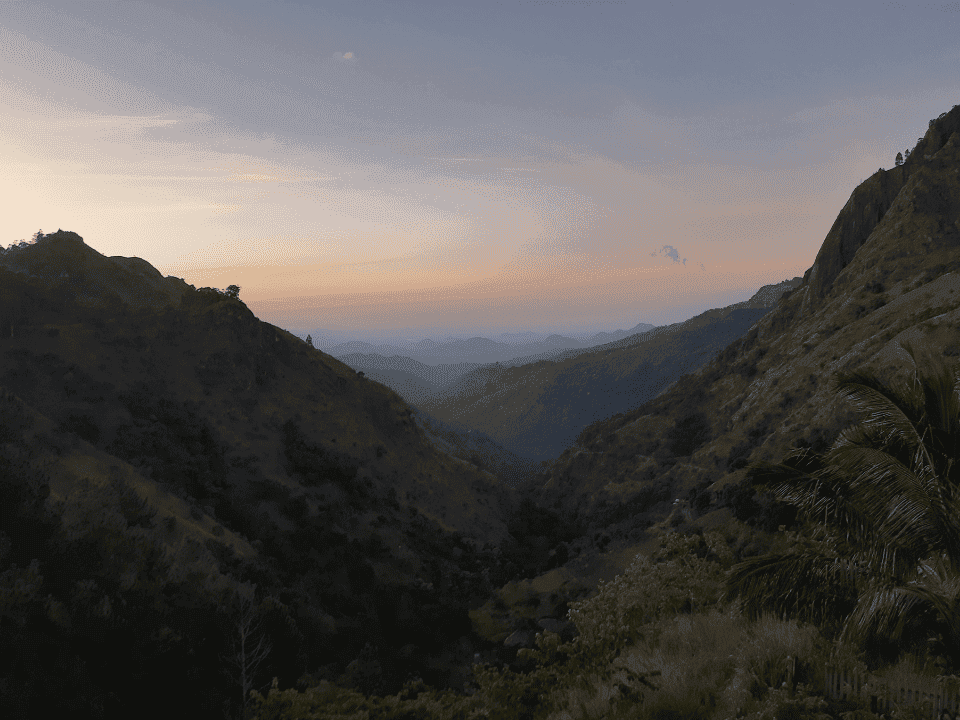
x: 883, y: 559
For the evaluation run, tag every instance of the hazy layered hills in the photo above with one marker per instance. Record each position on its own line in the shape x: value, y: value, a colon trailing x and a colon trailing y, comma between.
x: 479, y: 350
x: 419, y: 371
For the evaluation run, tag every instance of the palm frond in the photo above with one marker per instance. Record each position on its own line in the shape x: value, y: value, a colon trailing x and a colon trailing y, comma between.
x: 808, y: 584
x: 882, y: 611
x: 886, y: 499
x: 887, y: 609
x: 896, y: 504
x: 890, y: 410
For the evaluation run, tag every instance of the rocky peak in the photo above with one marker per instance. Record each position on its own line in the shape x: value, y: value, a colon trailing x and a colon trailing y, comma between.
x: 872, y: 200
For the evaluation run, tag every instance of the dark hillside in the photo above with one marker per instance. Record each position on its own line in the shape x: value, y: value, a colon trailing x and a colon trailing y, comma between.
x: 255, y: 459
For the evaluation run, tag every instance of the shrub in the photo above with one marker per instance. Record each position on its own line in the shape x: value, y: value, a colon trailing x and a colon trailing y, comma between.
x: 650, y: 590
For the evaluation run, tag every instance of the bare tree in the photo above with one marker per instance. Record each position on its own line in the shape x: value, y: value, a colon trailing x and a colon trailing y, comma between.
x: 250, y: 647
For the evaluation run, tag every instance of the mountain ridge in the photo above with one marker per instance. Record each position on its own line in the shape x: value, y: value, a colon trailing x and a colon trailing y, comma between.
x: 477, y: 349
x: 851, y: 311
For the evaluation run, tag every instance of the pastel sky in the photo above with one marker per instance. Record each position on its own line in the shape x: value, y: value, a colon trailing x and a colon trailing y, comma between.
x: 472, y: 166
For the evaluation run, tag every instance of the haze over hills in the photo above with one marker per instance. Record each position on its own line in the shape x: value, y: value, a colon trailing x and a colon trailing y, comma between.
x: 167, y: 460
x: 473, y: 349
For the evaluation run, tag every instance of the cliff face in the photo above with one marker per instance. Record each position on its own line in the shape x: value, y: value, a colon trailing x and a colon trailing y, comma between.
x: 873, y: 199
x: 886, y: 275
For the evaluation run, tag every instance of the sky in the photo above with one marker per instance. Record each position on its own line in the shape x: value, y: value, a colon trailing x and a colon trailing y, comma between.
x: 380, y: 168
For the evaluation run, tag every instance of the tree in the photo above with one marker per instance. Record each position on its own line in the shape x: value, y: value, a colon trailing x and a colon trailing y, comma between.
x: 899, y: 160
x: 38, y: 235
x: 309, y: 341
x: 233, y: 291
x: 250, y: 647
x: 884, y: 504
x: 906, y: 154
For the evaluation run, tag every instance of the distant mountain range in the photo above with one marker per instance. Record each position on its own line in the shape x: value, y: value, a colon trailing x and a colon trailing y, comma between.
x: 481, y: 350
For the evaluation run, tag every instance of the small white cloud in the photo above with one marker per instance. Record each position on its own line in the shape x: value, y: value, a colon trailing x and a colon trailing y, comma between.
x: 669, y: 251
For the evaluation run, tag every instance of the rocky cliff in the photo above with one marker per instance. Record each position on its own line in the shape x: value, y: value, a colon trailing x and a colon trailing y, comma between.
x: 886, y: 275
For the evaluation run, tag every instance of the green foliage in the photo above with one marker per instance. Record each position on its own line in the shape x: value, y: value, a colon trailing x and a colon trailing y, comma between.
x: 326, y: 700
x: 646, y: 649
x: 534, y: 532
x: 206, y: 296
x: 651, y: 588
x: 180, y: 446
x: 317, y: 464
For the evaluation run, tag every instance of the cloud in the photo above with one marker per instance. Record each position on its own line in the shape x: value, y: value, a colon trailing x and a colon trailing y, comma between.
x: 347, y: 57
x: 671, y: 252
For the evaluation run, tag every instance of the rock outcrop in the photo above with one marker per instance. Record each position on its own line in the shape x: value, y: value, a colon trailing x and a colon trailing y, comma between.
x: 873, y: 199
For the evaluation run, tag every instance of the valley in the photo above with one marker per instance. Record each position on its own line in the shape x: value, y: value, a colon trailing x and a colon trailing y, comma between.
x: 172, y: 467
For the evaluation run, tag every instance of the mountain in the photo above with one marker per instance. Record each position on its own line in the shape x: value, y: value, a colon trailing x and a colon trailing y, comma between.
x: 885, y: 277
x: 409, y: 378
x: 62, y: 260
x: 764, y: 299
x: 536, y: 407
x: 475, y: 447
x: 190, y: 452
x: 476, y: 350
